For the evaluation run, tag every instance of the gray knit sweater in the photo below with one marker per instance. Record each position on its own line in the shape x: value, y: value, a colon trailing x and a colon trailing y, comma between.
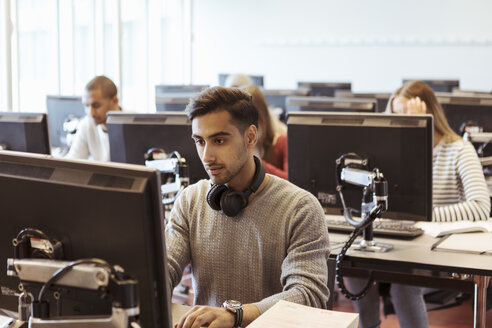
x: 276, y: 248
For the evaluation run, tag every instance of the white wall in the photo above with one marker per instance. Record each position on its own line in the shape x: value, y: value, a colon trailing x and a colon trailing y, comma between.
x: 372, y: 43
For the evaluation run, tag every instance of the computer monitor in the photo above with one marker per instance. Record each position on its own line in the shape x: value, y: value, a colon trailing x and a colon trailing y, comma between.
x: 132, y: 135
x: 400, y: 146
x: 381, y: 98
x: 277, y: 100
x: 173, y: 102
x: 330, y: 104
x: 326, y: 89
x: 62, y: 109
x: 257, y: 80
x: 461, y: 109
x: 109, y: 211
x: 277, y: 97
x: 459, y: 92
x: 26, y: 132
x: 162, y: 89
x: 438, y: 85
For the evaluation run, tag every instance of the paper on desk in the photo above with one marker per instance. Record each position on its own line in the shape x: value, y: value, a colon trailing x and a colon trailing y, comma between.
x: 439, y: 229
x: 291, y: 315
x: 478, y: 242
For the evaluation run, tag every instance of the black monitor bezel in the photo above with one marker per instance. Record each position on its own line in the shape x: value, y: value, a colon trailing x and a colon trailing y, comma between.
x: 117, y: 149
x: 35, y: 128
x: 320, y: 118
x: 77, y: 177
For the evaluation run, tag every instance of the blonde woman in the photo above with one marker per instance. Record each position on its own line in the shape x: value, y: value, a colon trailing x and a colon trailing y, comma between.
x: 459, y: 193
x: 459, y: 188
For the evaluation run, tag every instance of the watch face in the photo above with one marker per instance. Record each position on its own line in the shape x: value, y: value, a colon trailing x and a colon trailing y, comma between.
x: 232, y: 304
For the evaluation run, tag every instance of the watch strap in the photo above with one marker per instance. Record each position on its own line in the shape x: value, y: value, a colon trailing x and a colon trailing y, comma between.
x: 239, y: 317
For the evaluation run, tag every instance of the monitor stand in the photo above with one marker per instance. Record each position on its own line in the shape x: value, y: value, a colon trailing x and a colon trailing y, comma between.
x: 367, y: 244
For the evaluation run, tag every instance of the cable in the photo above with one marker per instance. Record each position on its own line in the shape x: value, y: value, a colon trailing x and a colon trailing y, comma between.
x: 32, y: 232
x: 23, y: 237
x: 375, y: 212
x: 61, y: 272
x: 338, y: 270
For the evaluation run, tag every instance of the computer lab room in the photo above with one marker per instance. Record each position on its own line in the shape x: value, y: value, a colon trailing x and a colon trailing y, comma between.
x: 261, y: 163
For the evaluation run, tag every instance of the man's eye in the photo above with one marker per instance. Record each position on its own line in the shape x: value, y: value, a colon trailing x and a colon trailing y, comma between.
x: 219, y: 141
x: 199, y: 142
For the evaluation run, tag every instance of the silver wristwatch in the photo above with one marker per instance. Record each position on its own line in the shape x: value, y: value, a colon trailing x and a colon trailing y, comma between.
x: 235, y: 308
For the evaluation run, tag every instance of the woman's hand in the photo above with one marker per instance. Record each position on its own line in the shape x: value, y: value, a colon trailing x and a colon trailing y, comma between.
x: 416, y: 106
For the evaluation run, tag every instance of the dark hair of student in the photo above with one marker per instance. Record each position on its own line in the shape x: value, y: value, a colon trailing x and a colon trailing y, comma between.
x: 108, y: 88
x: 235, y: 101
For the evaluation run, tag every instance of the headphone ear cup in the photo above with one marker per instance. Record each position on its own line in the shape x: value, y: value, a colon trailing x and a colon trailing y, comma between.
x: 214, y: 195
x: 232, y: 202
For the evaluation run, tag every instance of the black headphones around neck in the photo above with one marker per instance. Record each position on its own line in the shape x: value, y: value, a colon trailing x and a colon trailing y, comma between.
x: 222, y: 198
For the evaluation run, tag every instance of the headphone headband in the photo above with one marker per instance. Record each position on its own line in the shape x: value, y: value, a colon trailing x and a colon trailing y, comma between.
x: 259, y: 175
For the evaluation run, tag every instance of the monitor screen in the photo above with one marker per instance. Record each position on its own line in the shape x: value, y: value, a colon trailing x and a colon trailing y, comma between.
x: 460, y: 109
x: 277, y: 98
x: 381, y: 98
x: 399, y: 145
x: 439, y: 85
x: 132, y: 135
x: 326, y: 89
x: 62, y: 109
x: 26, y: 132
x: 109, y: 211
x: 330, y: 104
x: 173, y: 102
x: 257, y: 80
x: 161, y: 89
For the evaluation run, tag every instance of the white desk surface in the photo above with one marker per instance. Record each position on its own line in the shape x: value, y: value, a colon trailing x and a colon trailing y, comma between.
x: 417, y: 253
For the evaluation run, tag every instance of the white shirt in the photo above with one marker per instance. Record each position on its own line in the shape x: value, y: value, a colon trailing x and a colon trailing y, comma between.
x: 90, y: 141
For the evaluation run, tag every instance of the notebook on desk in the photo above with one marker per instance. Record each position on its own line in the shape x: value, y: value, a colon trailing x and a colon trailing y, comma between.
x: 473, y: 243
x: 440, y: 229
x: 289, y: 315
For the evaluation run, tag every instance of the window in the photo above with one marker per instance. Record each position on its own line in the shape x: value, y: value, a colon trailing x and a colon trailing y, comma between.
x: 57, y: 46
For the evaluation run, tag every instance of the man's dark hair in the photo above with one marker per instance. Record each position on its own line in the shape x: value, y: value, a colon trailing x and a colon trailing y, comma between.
x: 238, y: 103
x: 108, y: 88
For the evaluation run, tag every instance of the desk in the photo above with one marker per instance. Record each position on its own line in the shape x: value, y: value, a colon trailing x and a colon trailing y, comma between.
x: 178, y: 310
x: 413, y: 262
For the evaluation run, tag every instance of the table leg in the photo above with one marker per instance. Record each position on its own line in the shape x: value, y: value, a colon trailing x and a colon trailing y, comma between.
x: 331, y: 282
x: 480, y: 304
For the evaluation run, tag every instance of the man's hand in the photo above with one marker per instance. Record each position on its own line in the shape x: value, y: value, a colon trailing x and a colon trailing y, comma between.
x: 216, y: 317
x: 206, y: 316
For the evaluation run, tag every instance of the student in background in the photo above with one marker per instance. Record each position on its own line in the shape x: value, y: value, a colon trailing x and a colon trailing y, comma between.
x: 459, y: 193
x: 252, y: 238
x: 243, y: 81
x: 459, y: 188
x: 272, y: 147
x: 91, y: 139
x: 238, y: 81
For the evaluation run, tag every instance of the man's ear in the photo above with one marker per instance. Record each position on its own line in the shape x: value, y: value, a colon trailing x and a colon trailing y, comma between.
x: 251, y: 135
x: 115, y: 102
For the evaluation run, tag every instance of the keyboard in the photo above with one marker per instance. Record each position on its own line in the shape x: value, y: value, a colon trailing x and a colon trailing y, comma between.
x: 382, y: 228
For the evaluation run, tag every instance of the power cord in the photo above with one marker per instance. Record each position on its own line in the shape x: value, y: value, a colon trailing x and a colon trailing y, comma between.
x: 61, y: 272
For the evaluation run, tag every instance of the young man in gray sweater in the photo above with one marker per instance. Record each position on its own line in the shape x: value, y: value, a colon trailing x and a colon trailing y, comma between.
x: 252, y: 238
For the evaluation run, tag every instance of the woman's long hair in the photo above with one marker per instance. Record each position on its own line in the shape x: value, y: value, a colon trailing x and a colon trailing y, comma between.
x: 420, y: 89
x: 265, y: 127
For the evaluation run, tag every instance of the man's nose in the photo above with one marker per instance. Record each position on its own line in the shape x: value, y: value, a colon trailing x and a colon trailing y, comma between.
x: 208, y: 155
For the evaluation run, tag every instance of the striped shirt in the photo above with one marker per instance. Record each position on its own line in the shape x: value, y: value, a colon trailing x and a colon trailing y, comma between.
x: 459, y: 188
